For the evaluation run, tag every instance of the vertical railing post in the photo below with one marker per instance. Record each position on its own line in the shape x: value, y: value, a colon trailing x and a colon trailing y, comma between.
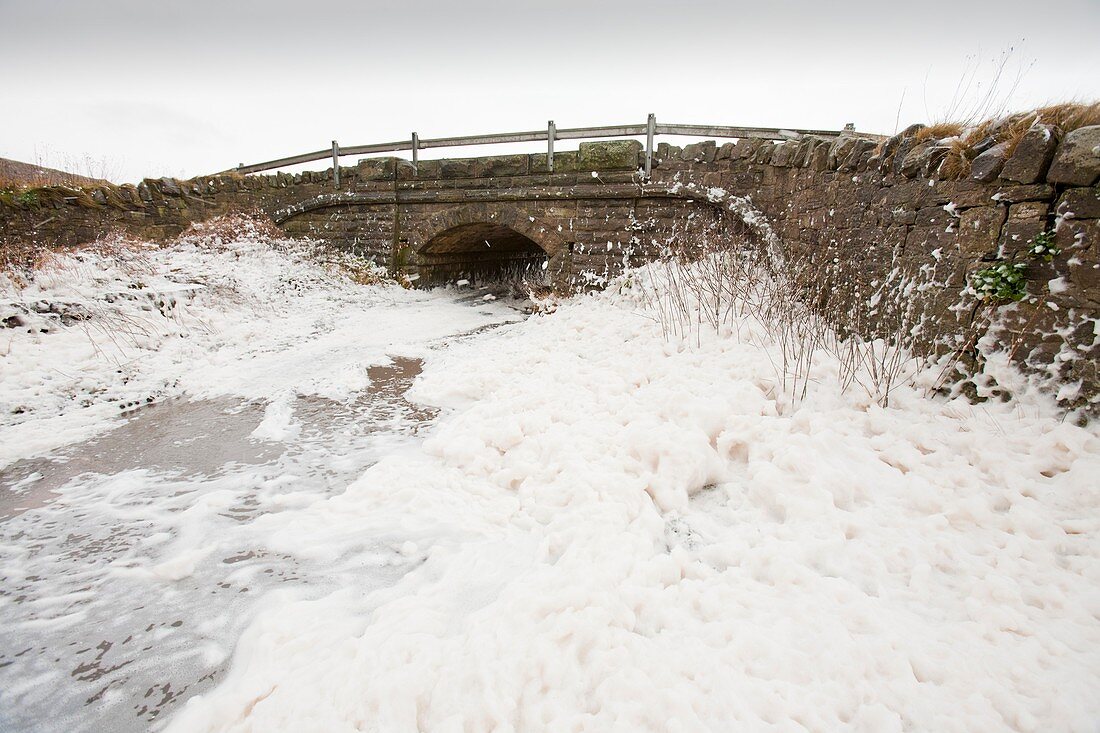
x: 551, y: 133
x: 335, y: 164
x: 415, y: 148
x: 650, y: 128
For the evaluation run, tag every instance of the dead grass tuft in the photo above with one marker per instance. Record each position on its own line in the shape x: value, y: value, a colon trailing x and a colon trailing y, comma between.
x: 939, y: 131
x: 1067, y: 117
x: 969, y: 140
x: 956, y: 164
x: 20, y: 260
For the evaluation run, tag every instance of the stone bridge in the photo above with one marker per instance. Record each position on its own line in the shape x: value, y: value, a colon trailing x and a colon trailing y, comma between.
x: 451, y: 219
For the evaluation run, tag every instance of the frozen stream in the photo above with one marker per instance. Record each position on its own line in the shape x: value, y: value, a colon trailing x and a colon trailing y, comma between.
x: 131, y: 562
x: 93, y: 641
x: 94, y: 637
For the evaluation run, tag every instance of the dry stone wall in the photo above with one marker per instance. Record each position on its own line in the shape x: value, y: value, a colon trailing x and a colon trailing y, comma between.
x: 863, y: 209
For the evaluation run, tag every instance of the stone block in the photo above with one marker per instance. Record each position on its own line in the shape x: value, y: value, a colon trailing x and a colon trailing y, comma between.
x: 457, y: 168
x: 608, y: 155
x: 858, y: 149
x: 764, y: 153
x: 501, y: 165
x: 1081, y: 240
x: 906, y: 193
x: 169, y: 186
x: 923, y: 160
x: 376, y: 169
x: 819, y: 157
x: 839, y: 150
x: 903, y: 215
x: 1017, y: 234
x: 701, y: 152
x: 564, y: 162
x: 915, y: 159
x: 987, y: 166
x: 868, y: 159
x: 933, y: 216
x: 746, y: 147
x: 783, y: 152
x: 887, y: 149
x: 802, y: 153
x: 429, y: 170
x: 1033, y: 154
x: 900, y: 155
x: 935, y: 158
x: 129, y: 193
x: 1080, y: 203
x: 1028, y: 210
x: 1016, y: 194
x: 980, y: 229
x: 963, y: 194
x: 1077, y: 161
x: 925, y: 239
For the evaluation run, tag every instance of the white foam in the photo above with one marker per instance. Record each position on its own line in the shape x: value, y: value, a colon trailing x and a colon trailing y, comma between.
x: 623, y: 533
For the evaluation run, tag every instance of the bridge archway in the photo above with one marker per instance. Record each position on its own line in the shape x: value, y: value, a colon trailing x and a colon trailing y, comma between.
x: 483, y: 244
x: 481, y: 251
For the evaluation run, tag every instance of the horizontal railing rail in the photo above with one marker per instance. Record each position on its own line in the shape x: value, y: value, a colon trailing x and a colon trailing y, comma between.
x: 650, y: 130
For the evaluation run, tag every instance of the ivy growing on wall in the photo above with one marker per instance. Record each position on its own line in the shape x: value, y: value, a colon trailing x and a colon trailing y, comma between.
x: 1006, y: 282
x: 1043, y: 247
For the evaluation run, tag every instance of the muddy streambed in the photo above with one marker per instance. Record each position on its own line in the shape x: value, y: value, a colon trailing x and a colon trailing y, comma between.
x: 129, y: 564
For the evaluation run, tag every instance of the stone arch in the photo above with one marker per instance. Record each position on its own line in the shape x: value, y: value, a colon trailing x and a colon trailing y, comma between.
x: 513, y: 217
x: 283, y: 214
x: 484, y: 242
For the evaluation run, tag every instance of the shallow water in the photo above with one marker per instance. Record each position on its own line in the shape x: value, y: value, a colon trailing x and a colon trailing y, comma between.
x: 176, y: 435
x: 111, y: 614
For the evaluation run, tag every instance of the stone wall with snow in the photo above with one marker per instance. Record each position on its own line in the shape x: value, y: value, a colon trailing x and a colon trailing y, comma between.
x: 863, y: 208
x: 860, y: 207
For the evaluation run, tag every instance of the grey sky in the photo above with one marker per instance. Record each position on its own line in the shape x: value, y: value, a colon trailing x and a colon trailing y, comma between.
x: 192, y: 87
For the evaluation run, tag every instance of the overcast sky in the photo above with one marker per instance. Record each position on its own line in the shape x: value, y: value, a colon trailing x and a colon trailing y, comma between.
x: 195, y: 86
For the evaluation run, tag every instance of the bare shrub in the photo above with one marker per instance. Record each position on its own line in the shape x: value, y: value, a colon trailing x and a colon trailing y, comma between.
x: 727, y: 275
x: 979, y: 95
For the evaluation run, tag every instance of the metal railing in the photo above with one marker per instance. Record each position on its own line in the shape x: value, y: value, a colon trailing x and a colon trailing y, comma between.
x: 650, y: 129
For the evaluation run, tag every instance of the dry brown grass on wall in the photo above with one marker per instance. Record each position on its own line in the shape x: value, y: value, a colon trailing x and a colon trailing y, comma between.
x: 9, y: 183
x: 956, y: 164
x: 19, y: 175
x: 939, y: 131
x: 1066, y: 117
x: 1008, y: 130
